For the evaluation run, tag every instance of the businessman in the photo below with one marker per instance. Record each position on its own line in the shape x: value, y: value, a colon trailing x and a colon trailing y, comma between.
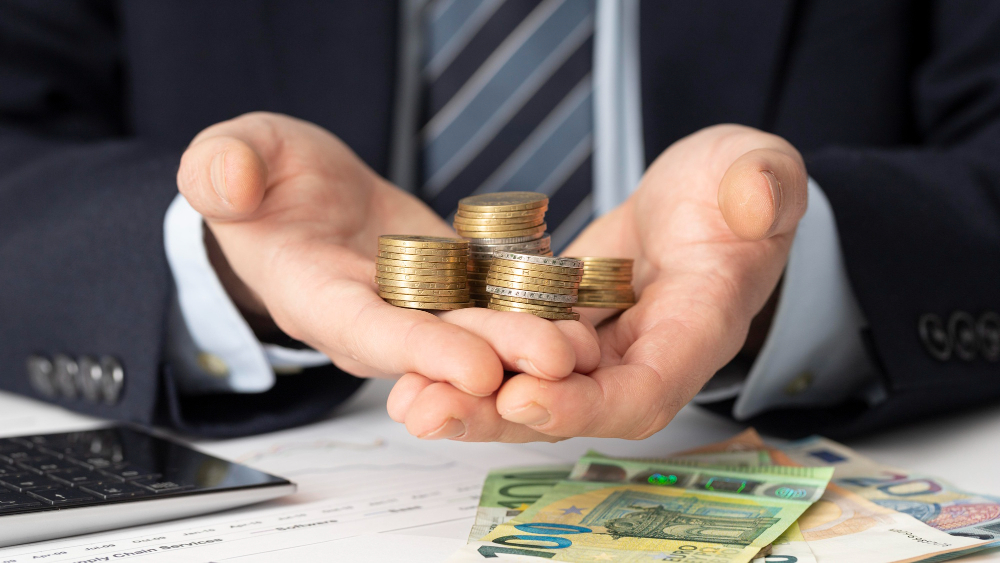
x: 118, y: 301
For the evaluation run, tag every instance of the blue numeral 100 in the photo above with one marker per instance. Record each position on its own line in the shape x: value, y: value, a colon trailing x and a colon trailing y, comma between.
x: 543, y: 531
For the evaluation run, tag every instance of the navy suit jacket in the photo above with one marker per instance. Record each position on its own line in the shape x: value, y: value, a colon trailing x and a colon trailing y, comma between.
x: 895, y: 105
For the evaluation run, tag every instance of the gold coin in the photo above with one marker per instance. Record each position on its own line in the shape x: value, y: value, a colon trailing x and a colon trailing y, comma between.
x: 517, y: 264
x: 451, y: 272
x: 592, y: 270
x: 496, y: 224
x: 476, y: 221
x: 425, y: 298
x: 617, y: 297
x: 461, y: 253
x: 535, y: 273
x: 499, y: 276
x: 607, y: 279
x: 549, y: 307
x: 420, y: 241
x: 588, y: 285
x: 528, y: 301
x: 422, y: 265
x: 416, y: 278
x: 605, y: 260
x: 423, y: 257
x: 388, y: 282
x: 419, y: 291
x: 429, y: 306
x: 466, y: 214
x: 600, y: 305
x: 572, y: 316
x: 502, y: 201
x: 478, y: 234
x: 531, y: 287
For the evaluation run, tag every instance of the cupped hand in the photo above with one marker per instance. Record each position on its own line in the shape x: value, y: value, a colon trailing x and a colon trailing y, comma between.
x: 709, y: 227
x: 296, y: 216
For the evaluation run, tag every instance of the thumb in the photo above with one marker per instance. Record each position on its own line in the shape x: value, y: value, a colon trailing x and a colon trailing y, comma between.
x: 223, y: 177
x: 764, y: 193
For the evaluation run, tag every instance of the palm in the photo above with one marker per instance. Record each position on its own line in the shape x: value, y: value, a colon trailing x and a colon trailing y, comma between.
x: 687, y: 259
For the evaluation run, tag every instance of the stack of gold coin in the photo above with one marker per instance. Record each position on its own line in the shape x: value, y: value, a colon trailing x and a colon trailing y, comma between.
x: 541, y: 285
x: 421, y: 272
x: 606, y: 283
x: 505, y: 221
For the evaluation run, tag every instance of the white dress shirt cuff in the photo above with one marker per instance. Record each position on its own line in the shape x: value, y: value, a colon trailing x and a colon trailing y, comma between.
x: 229, y: 358
x: 814, y: 354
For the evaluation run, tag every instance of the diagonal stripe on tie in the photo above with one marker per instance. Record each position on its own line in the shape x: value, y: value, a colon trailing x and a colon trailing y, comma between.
x: 489, y: 135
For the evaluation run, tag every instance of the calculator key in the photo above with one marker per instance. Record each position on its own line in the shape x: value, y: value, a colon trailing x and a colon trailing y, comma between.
x: 9, y: 469
x: 23, y: 482
x: 61, y: 495
x: 19, y: 455
x: 47, y: 465
x: 162, y: 485
x: 76, y: 476
x: 92, y: 462
x: 127, y: 472
x: 16, y: 501
x: 109, y: 490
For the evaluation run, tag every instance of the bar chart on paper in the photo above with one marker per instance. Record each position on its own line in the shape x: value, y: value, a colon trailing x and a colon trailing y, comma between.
x: 352, y: 483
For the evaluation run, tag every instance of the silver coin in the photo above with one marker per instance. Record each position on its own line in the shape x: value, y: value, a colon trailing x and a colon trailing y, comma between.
x: 543, y: 260
x: 510, y: 240
x: 537, y: 295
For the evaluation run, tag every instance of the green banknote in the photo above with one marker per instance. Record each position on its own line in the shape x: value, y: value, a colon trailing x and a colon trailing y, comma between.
x: 687, y: 514
x: 509, y: 492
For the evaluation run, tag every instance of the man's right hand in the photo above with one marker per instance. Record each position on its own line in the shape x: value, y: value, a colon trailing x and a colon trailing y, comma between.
x: 297, y: 216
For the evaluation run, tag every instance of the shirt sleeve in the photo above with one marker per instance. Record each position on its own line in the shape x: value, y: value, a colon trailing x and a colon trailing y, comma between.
x: 814, y: 354
x: 210, y: 345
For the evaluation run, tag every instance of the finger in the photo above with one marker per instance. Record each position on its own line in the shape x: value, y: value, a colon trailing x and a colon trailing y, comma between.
x: 227, y: 168
x: 222, y: 177
x: 529, y: 344
x: 661, y: 372
x: 403, y: 393
x: 442, y: 412
x: 763, y: 193
x: 345, y: 318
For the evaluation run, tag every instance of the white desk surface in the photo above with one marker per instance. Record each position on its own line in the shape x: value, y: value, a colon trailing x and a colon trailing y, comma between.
x: 960, y: 449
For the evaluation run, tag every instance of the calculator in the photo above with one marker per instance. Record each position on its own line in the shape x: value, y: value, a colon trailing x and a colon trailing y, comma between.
x: 58, y: 485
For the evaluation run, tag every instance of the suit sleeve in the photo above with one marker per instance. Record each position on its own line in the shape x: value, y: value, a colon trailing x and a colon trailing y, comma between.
x: 83, y: 272
x: 920, y: 227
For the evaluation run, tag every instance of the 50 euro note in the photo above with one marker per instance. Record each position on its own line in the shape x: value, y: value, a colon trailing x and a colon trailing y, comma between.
x: 928, y: 499
x: 678, y: 513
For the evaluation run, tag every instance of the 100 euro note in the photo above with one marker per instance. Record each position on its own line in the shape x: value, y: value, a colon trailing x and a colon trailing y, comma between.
x: 509, y: 492
x: 928, y: 499
x: 690, y: 513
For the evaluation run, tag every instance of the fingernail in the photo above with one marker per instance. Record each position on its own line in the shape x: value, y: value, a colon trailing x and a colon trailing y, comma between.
x: 772, y: 180
x: 453, y: 428
x: 531, y: 414
x: 526, y: 366
x: 218, y: 173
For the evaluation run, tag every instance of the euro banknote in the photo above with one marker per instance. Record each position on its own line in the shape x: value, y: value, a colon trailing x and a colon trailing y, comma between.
x: 683, y: 513
x: 509, y: 492
x: 931, y: 500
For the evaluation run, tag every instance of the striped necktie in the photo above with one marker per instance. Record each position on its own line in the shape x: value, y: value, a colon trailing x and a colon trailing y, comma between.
x: 508, y: 105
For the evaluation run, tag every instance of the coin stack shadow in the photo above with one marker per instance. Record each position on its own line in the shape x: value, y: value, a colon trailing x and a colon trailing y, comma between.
x: 606, y: 283
x: 544, y: 286
x: 505, y: 221
x: 420, y: 272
